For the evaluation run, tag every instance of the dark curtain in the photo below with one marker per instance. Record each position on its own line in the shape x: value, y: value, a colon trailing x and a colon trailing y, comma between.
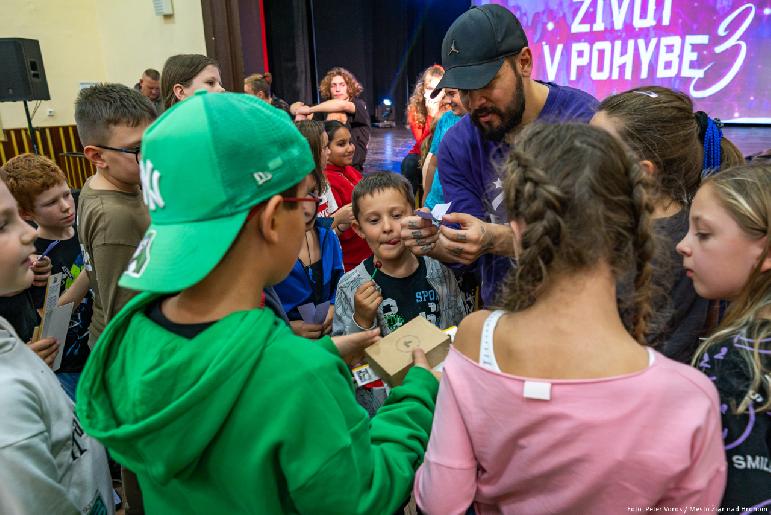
x: 386, y: 44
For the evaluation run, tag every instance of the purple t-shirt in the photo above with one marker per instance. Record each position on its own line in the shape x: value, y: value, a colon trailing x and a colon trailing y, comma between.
x: 470, y: 181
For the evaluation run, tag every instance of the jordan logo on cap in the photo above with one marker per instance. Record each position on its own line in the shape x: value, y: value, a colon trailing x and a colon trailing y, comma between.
x: 453, y: 50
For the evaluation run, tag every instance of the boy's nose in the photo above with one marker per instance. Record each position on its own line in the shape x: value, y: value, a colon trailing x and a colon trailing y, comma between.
x: 682, y: 248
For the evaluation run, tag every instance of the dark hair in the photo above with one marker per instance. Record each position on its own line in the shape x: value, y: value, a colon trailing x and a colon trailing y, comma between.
x: 257, y: 83
x: 100, y: 107
x: 379, y: 181
x: 182, y: 69
x: 581, y: 197
x: 312, y: 131
x: 152, y: 74
x: 332, y: 126
x: 353, y: 85
x: 660, y: 126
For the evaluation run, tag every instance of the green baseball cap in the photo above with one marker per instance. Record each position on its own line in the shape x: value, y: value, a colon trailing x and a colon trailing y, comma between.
x: 205, y: 163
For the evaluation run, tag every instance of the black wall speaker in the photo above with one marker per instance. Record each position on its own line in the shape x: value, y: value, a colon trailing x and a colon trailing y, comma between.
x: 22, y: 76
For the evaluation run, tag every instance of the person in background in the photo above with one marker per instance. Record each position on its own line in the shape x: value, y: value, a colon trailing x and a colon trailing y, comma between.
x: 342, y: 102
x: 150, y: 86
x: 184, y: 74
x: 421, y: 113
x: 256, y: 85
x: 432, y: 186
x: 40, y: 188
x: 546, y: 403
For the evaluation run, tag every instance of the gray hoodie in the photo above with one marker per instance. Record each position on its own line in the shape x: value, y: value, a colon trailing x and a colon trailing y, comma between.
x: 47, y: 463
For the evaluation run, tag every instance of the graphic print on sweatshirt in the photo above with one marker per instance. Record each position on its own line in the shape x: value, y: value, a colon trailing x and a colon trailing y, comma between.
x: 404, y: 298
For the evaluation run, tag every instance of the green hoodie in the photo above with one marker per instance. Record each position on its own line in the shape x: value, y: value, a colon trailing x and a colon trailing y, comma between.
x: 249, y: 418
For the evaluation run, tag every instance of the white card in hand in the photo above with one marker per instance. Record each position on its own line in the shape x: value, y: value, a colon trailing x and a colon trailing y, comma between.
x: 307, y: 312
x: 55, y: 324
x: 437, y: 213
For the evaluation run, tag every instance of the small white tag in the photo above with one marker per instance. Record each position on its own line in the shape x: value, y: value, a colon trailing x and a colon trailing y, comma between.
x: 537, y: 390
x: 364, y: 375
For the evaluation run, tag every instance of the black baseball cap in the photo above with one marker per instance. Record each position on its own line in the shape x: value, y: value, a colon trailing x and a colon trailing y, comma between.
x: 476, y: 44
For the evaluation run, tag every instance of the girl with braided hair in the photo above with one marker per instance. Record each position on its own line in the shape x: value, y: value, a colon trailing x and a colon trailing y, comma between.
x: 675, y: 147
x: 550, y: 404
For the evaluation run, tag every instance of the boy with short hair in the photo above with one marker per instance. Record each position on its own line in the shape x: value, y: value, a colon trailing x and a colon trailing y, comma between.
x: 404, y: 286
x: 44, y: 198
x: 111, y: 214
x: 47, y: 463
x: 186, y: 371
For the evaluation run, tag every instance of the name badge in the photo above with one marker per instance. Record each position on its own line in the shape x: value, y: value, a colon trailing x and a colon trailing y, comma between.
x: 364, y: 375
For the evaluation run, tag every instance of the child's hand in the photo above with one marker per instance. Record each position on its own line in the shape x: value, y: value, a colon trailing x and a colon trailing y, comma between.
x: 326, y: 327
x: 42, y: 270
x: 351, y: 346
x: 420, y: 360
x: 310, y: 331
x: 365, y: 303
x: 342, y: 218
x: 46, y: 349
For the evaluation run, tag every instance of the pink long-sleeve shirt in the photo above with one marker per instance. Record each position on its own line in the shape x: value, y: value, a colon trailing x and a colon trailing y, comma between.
x: 598, y: 446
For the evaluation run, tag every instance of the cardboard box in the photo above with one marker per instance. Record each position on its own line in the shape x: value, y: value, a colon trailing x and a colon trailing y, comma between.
x: 391, y: 357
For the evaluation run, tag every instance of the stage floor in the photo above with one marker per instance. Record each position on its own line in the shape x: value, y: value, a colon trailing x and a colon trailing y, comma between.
x: 387, y: 147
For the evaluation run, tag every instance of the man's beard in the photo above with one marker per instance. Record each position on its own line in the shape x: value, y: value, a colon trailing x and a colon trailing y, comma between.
x: 510, y: 118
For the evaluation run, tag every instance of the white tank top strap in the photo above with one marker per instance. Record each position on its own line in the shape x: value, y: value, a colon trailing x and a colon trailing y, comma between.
x: 651, y: 356
x: 486, y: 352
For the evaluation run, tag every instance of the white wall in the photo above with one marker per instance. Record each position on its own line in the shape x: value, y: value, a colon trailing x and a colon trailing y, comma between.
x: 95, y: 41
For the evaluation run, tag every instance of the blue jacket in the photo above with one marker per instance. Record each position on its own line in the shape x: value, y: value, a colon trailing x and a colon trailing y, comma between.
x: 297, y: 288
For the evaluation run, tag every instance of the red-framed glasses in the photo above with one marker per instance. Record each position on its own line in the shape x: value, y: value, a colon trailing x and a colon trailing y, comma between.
x: 311, y: 198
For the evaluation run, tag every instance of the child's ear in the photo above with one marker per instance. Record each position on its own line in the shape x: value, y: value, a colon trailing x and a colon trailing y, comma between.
x: 765, y: 266
x: 357, y: 229
x: 25, y: 215
x: 267, y: 225
x: 179, y: 91
x: 648, y: 168
x: 94, y: 154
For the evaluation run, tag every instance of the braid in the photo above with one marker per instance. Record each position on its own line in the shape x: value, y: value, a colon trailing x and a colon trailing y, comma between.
x: 534, y: 199
x: 643, y: 243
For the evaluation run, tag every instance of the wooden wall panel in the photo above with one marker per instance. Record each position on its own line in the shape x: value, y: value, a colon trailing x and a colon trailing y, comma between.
x: 61, y: 144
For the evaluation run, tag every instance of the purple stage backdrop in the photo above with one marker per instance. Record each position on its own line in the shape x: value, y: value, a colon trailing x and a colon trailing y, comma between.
x: 717, y: 51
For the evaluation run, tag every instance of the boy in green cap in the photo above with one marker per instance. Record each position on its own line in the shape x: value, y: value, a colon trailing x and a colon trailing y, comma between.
x: 214, y: 403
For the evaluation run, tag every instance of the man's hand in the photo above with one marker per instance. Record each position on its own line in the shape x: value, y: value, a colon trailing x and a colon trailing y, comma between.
x: 351, y: 346
x: 46, y: 349
x: 366, y: 300
x: 42, y: 270
x: 469, y: 242
x: 310, y: 331
x: 418, y: 234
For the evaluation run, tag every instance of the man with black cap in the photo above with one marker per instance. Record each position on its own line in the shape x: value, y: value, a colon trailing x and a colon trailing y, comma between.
x: 485, y: 54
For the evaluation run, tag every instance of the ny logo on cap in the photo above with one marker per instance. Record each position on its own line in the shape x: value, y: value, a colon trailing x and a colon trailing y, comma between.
x: 151, y: 189
x: 453, y: 50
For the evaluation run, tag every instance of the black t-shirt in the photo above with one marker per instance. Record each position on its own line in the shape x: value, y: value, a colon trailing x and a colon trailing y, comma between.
x: 360, y: 130
x: 20, y: 313
x: 747, y: 436
x: 404, y: 298
x: 67, y: 258
x: 190, y: 331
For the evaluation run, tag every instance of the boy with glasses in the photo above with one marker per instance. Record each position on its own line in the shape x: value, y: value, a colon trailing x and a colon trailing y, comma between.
x: 111, y: 215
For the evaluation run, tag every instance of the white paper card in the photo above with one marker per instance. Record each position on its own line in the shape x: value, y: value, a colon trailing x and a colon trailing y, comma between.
x: 307, y: 312
x: 321, y: 312
x: 437, y: 213
x: 56, y: 324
